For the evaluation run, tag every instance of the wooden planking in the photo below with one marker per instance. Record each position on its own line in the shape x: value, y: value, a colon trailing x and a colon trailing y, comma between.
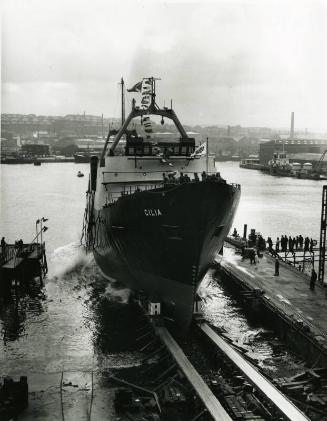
x: 205, y: 394
x: 269, y: 390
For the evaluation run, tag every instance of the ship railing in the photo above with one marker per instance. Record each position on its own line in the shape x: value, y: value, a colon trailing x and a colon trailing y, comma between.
x: 11, y: 251
x: 127, y: 190
x: 7, y: 253
x: 130, y: 189
x: 114, y: 175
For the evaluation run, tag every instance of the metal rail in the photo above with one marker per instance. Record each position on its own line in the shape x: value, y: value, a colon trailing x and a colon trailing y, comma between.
x: 270, y: 391
x: 205, y: 394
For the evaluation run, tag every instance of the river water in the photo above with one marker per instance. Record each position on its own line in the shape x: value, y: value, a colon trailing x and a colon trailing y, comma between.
x: 76, y: 320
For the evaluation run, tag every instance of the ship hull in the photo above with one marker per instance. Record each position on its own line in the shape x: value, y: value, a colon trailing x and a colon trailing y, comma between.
x: 162, y: 241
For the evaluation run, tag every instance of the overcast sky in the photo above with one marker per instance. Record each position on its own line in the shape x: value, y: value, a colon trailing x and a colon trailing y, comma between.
x: 223, y: 62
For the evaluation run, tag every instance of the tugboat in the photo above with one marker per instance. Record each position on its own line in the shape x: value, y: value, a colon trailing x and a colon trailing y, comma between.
x: 157, y: 211
x: 280, y: 165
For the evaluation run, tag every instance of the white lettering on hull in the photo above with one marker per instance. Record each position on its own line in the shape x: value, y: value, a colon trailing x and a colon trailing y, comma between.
x: 152, y: 212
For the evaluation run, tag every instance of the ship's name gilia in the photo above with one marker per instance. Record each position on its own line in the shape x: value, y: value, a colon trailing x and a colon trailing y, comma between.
x: 152, y: 212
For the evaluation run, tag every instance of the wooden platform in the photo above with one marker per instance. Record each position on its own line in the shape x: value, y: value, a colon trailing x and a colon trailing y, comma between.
x: 24, y: 261
x: 12, y: 263
x: 288, y: 294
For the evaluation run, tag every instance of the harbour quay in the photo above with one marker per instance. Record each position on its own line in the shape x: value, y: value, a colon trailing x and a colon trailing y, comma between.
x: 280, y: 294
x: 22, y: 262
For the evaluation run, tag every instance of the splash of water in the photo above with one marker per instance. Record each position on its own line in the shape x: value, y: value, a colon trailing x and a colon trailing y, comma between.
x: 67, y: 259
x: 70, y: 262
x: 115, y: 293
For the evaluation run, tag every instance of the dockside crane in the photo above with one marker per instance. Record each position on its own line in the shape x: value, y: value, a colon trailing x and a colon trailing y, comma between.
x: 317, y: 169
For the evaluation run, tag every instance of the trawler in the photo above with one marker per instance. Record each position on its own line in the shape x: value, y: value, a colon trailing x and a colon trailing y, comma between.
x: 157, y: 210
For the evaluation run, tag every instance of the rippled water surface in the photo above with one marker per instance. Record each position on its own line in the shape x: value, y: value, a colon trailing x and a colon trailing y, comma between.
x: 79, y: 321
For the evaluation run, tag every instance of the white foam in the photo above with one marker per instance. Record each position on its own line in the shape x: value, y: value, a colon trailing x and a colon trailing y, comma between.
x: 69, y: 258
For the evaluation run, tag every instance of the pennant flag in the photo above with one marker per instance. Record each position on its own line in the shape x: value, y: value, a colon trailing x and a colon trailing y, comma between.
x: 38, y: 221
x: 144, y: 101
x: 146, y: 92
x: 147, y: 124
x: 45, y: 229
x: 136, y: 88
x: 44, y: 219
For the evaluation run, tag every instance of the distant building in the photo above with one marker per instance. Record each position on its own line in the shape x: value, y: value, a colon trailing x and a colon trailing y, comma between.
x: 35, y: 149
x: 291, y: 147
x: 91, y: 144
x: 9, y: 146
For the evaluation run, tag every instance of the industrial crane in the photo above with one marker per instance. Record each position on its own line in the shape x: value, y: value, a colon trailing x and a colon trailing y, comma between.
x: 317, y: 169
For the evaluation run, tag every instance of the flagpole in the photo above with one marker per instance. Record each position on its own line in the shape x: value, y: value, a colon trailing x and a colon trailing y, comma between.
x: 41, y: 230
x: 36, y: 232
x: 207, y: 155
x: 122, y: 101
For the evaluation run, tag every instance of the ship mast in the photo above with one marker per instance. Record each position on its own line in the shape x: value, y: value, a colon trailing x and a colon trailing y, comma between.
x: 122, y: 83
x: 139, y: 112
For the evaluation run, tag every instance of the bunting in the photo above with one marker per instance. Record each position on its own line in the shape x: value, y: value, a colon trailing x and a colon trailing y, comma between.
x: 147, y: 125
x: 146, y: 92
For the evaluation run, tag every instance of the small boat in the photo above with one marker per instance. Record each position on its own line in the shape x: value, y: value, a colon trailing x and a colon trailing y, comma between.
x: 280, y: 165
x: 80, y: 174
x: 251, y: 164
x: 36, y: 162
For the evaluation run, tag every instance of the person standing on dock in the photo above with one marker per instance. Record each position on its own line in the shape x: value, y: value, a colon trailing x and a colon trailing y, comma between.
x: 311, y: 245
x: 277, y: 245
x: 300, y: 241
x: 313, y: 279
x: 252, y: 256
x: 276, y: 267
x: 283, y: 243
x: 297, y: 240
x: 3, y: 247
x: 306, y: 244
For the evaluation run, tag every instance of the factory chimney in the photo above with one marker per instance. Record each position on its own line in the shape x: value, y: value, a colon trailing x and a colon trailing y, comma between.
x: 292, y: 126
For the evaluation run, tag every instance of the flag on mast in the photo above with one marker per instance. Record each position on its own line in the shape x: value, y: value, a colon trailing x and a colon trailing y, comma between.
x: 200, y: 150
x: 136, y: 88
